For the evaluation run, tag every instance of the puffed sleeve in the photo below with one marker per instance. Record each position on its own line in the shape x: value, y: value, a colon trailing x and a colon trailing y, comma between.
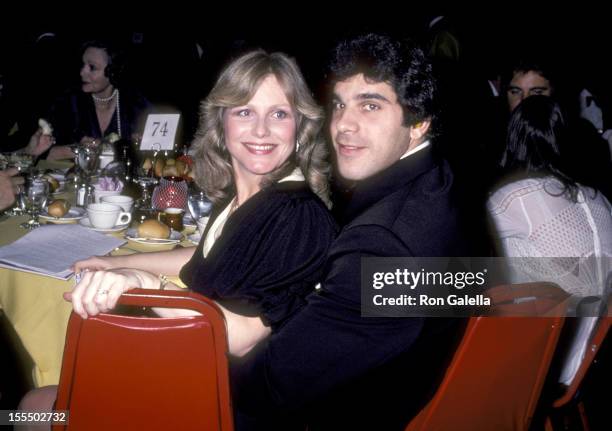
x: 269, y: 258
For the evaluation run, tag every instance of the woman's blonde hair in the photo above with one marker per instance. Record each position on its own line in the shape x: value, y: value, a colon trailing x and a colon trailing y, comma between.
x: 236, y: 85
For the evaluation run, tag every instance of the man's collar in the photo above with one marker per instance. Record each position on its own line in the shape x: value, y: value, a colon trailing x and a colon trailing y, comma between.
x: 369, y: 191
x: 415, y: 149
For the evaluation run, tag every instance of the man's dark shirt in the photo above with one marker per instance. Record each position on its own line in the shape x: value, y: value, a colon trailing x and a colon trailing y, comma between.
x: 328, y: 366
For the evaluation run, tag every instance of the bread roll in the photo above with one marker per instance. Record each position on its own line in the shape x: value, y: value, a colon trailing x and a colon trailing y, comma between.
x: 58, y: 208
x: 180, y: 167
x: 147, y: 164
x: 159, y: 167
x: 170, y: 171
x: 152, y: 228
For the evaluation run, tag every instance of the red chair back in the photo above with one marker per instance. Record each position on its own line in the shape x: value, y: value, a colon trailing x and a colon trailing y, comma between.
x: 497, y: 373
x: 597, y: 338
x: 125, y: 372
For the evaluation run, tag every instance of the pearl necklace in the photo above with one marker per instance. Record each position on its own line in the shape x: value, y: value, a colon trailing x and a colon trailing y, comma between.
x: 118, y: 114
x: 117, y: 106
x: 105, y: 99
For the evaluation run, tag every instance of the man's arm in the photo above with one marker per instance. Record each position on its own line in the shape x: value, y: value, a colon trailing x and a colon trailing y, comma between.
x: 328, y: 343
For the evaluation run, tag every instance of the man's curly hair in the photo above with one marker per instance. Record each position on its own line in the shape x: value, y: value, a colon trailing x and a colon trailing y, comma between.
x: 403, y: 65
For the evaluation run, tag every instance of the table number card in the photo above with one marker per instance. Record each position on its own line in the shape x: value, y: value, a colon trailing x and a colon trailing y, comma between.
x: 159, y: 132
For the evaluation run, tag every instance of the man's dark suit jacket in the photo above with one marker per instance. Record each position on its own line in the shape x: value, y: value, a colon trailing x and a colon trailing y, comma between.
x: 330, y: 367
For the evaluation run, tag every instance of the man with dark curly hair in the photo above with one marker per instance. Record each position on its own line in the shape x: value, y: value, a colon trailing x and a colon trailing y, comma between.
x: 329, y: 367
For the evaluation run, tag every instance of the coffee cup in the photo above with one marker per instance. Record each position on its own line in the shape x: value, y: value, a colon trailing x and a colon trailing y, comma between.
x: 99, y: 194
x: 173, y: 217
x: 106, y: 216
x: 125, y: 202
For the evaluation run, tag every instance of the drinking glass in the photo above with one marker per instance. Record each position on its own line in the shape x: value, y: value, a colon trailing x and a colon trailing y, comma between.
x: 146, y: 182
x: 199, y: 205
x: 22, y: 161
x: 89, y: 158
x: 33, y: 199
x: 76, y: 149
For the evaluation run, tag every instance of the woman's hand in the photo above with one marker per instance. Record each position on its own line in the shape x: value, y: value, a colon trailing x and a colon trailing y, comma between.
x: 97, y: 263
x: 39, y: 143
x: 99, y: 291
x: 60, y: 152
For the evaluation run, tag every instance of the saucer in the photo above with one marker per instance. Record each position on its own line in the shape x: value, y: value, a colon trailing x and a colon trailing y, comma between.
x: 175, y: 238
x: 72, y: 216
x: 148, y: 245
x: 85, y: 222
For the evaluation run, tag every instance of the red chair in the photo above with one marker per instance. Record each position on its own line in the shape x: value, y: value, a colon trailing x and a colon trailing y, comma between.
x: 496, y: 375
x: 131, y: 373
x: 562, y: 404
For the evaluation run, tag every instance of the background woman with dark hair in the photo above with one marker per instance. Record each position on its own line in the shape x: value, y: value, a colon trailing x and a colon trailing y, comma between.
x: 101, y: 107
x: 541, y: 211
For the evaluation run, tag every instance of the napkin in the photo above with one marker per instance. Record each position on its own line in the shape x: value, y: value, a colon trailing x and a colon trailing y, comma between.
x: 109, y: 184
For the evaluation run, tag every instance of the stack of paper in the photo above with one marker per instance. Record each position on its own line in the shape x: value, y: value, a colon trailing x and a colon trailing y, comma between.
x: 52, y: 249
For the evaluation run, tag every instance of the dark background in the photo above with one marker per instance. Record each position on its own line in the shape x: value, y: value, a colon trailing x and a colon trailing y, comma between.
x: 163, y: 65
x: 161, y: 42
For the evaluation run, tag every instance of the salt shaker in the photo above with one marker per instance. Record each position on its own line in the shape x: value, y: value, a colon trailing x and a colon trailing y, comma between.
x: 85, y: 195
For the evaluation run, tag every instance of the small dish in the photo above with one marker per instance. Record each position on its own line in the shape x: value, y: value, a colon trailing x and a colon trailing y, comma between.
x: 85, y: 222
x: 175, y: 237
x: 74, y: 215
x: 152, y: 244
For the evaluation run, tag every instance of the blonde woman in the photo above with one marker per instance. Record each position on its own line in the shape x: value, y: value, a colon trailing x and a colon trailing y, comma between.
x: 261, y: 161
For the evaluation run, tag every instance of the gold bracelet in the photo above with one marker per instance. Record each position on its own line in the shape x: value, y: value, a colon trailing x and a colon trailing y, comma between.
x: 163, y: 280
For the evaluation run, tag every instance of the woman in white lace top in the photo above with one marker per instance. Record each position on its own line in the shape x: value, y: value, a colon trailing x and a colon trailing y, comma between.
x: 541, y: 212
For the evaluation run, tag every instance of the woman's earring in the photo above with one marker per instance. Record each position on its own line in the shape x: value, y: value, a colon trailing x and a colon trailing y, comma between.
x: 297, y: 146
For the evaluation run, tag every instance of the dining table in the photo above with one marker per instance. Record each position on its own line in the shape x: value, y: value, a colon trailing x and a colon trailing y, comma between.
x: 34, y: 305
